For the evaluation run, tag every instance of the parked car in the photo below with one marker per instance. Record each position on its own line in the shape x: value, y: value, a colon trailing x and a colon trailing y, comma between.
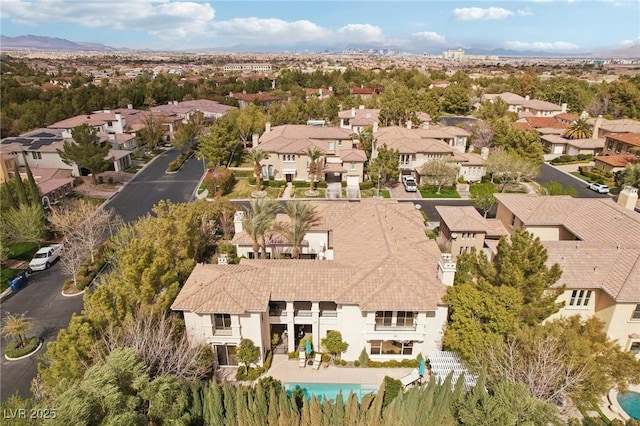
x: 409, y: 183
x: 44, y: 258
x: 598, y: 187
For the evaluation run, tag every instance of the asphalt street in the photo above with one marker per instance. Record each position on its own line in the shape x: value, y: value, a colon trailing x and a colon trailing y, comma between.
x: 549, y: 173
x: 42, y: 299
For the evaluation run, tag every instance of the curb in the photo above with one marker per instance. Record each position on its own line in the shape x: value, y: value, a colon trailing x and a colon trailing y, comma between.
x: 72, y: 295
x: 8, y: 358
x: 6, y: 294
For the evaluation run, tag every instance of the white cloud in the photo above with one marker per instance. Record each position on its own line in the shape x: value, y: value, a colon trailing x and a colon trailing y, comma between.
x: 525, y: 11
x: 629, y: 43
x: 166, y: 18
x: 270, y: 30
x: 430, y: 37
x: 555, y: 46
x: 360, y: 33
x: 477, y: 13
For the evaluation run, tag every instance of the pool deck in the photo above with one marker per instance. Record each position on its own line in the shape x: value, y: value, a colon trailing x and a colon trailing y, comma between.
x: 288, y: 371
x: 612, y: 409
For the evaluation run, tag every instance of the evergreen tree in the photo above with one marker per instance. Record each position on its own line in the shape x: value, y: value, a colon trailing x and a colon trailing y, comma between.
x: 20, y: 189
x: 385, y: 165
x: 274, y: 407
x: 86, y: 151
x: 352, y: 411
x: 230, y: 407
x: 34, y: 191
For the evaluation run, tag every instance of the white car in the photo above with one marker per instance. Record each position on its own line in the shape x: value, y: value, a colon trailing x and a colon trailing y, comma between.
x: 598, y: 187
x: 44, y: 258
x: 409, y: 183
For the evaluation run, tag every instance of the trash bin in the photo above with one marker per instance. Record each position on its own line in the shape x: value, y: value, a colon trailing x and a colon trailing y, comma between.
x: 18, y: 281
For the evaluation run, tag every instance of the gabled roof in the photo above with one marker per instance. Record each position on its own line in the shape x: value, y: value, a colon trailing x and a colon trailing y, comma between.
x: 462, y: 218
x: 186, y: 107
x: 617, y: 160
x: 628, y: 138
x: 296, y: 138
x: 411, y: 141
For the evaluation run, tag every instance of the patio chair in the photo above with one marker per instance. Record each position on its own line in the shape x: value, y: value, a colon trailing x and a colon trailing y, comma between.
x: 317, y: 361
x: 410, y: 378
x: 302, y: 359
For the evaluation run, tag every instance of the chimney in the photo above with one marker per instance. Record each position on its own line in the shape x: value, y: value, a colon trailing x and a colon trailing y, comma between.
x: 409, y: 124
x: 360, y: 106
x: 267, y: 127
x: 118, y: 117
x: 446, y: 269
x: 484, y: 152
x: 254, y: 139
x: 129, y: 106
x: 628, y: 197
x: 320, y: 91
x: 425, y: 125
x: 175, y: 102
x: 375, y: 126
x: 237, y: 221
x: 564, y: 107
x: 526, y: 98
x: 596, y: 127
x: 331, y: 88
x: 169, y: 102
x: 353, y: 112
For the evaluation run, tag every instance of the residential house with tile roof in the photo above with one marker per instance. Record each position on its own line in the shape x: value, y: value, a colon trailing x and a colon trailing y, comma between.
x: 418, y: 146
x: 596, y: 242
x: 356, y: 119
x: 287, y: 145
x: 622, y: 144
x: 525, y: 106
x: 262, y: 98
x: 376, y: 282
x: 210, y: 109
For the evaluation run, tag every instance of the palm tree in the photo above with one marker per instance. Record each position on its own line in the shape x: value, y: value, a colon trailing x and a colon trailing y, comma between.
x: 579, y: 129
x: 258, y: 155
x: 313, y: 153
x: 17, y: 326
x: 303, y: 217
x: 258, y: 220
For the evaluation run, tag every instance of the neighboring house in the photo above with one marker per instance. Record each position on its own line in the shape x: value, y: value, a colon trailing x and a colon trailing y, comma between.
x: 526, y: 107
x: 264, y: 99
x: 321, y: 93
x: 39, y: 148
x: 622, y: 144
x: 370, y: 285
x: 7, y: 164
x: 556, y: 144
x: 441, y: 84
x: 615, y: 163
x: 211, y: 110
x: 418, y: 146
x: 602, y: 127
x: 247, y: 67
x: 462, y: 229
x: 105, y: 121
x: 363, y: 92
x: 356, y: 119
x: 595, y: 241
x: 542, y: 125
x: 288, y: 161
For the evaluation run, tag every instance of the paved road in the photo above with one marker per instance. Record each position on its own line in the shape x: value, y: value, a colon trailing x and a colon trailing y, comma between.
x: 152, y: 185
x: 42, y: 298
x: 548, y: 173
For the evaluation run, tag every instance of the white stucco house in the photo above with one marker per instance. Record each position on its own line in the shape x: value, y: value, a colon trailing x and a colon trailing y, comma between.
x: 374, y: 276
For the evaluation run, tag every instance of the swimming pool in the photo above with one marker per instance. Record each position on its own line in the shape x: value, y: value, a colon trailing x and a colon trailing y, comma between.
x: 630, y: 403
x: 330, y: 390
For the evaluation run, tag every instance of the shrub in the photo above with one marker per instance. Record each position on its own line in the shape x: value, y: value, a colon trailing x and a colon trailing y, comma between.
x: 356, y: 363
x: 326, y: 358
x: 67, y: 285
x: 336, y: 362
x: 367, y: 184
x: 219, y: 182
x: 252, y: 374
x: 268, y: 361
x: 13, y: 351
x: 343, y: 363
x: 392, y: 388
x: 321, y: 184
x: 252, y: 180
x: 110, y: 180
x: 100, y: 180
x: 363, y: 359
x: 292, y: 355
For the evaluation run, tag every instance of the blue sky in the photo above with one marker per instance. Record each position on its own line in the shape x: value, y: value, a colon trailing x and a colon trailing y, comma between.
x: 560, y: 26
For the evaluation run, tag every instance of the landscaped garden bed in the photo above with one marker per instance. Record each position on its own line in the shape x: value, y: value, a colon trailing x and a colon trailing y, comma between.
x: 429, y: 191
x: 16, y: 350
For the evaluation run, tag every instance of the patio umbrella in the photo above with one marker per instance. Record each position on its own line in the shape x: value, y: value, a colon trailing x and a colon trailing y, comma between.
x: 307, y: 347
x: 421, y: 368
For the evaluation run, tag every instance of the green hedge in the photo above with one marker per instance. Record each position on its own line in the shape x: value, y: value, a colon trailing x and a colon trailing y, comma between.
x: 251, y: 375
x: 405, y: 363
x: 268, y: 361
x: 563, y: 159
x: 367, y: 184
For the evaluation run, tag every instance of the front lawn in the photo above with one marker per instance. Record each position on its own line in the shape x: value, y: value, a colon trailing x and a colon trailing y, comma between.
x: 242, y: 189
x: 445, y: 192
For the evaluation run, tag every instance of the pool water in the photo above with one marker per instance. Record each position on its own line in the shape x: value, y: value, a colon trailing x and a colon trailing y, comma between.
x: 630, y: 403
x: 330, y: 390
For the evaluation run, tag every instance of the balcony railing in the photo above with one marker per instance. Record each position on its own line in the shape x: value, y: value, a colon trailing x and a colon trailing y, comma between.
x: 327, y: 313
x: 274, y: 312
x: 302, y: 313
x: 222, y: 332
x: 389, y: 327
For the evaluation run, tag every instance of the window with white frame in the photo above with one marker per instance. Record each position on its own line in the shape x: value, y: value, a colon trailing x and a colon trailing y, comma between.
x: 405, y: 319
x: 384, y: 318
x: 289, y: 158
x: 580, y: 298
x: 36, y: 155
x: 636, y: 313
x: 353, y: 165
x: 222, y: 321
x: 405, y: 159
x: 635, y: 348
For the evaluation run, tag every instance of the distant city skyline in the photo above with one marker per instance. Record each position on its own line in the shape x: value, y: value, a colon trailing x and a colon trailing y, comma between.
x: 555, y: 26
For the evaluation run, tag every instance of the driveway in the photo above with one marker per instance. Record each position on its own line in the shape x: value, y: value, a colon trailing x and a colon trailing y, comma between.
x: 42, y: 300
x: 397, y: 191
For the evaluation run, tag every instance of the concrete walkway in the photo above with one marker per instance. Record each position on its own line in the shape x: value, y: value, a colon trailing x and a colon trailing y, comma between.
x: 288, y: 371
x: 286, y: 195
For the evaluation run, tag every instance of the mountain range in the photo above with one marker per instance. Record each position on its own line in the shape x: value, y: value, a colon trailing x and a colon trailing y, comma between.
x: 54, y: 43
